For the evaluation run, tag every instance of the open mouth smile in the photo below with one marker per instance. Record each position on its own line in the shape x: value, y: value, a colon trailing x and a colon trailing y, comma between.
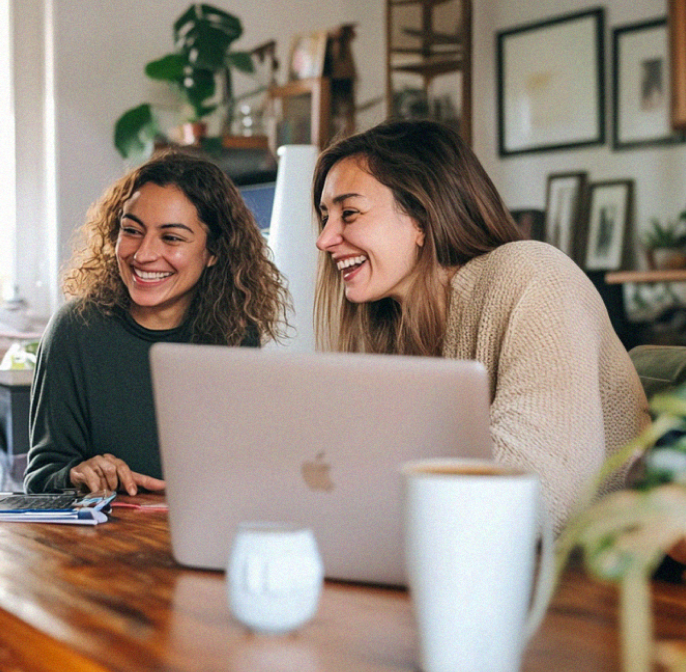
x: 350, y: 264
x: 150, y: 276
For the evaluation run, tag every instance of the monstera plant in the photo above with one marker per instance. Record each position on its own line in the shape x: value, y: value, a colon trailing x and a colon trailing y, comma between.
x: 202, y: 57
x: 625, y: 535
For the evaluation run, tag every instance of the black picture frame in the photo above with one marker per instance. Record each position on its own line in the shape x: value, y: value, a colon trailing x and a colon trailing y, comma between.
x: 641, y: 79
x: 551, y: 84
x: 610, y: 219
x: 565, y: 203
x: 530, y: 222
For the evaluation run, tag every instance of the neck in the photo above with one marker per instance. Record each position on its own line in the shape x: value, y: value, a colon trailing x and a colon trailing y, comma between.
x: 157, y: 319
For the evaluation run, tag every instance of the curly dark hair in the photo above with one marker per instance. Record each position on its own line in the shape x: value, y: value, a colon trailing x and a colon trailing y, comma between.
x: 242, y: 293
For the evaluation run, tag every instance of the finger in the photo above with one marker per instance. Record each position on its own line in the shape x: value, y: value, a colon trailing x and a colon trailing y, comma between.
x: 110, y: 468
x: 123, y: 479
x: 126, y: 479
x: 85, y: 475
x: 148, y: 482
x: 82, y: 480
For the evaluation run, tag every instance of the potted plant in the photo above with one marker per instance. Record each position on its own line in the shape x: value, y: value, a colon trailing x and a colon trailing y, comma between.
x: 625, y: 535
x: 665, y: 244
x: 202, y: 56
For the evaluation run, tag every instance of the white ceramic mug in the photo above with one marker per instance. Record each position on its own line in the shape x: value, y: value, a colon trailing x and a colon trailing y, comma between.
x: 471, y: 532
x: 274, y: 576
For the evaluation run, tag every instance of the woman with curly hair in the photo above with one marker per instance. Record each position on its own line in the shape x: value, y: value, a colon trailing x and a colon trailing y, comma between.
x: 169, y: 253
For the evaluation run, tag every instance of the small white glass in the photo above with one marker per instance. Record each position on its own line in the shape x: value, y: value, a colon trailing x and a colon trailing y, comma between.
x: 274, y: 577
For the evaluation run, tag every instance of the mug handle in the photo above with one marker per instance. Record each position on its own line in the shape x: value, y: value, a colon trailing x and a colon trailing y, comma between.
x: 545, y: 581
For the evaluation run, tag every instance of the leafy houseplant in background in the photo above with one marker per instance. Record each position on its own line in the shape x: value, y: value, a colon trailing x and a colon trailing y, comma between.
x: 625, y: 535
x: 665, y: 244
x: 202, y: 56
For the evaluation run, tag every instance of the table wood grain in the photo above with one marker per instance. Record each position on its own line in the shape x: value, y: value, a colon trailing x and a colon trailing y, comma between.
x: 111, y: 597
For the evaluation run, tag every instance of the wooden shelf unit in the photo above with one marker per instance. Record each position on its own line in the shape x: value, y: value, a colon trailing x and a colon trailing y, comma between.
x: 427, y: 44
x: 314, y: 110
x: 300, y: 112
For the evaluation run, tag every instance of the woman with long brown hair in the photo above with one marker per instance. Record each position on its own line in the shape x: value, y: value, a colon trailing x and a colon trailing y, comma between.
x: 420, y: 256
x: 169, y: 253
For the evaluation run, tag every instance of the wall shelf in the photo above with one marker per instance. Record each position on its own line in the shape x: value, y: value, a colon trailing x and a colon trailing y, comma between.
x: 621, y: 277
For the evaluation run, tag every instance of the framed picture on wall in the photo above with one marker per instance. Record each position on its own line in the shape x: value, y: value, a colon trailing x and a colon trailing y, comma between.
x: 564, y: 205
x: 641, y: 86
x: 609, y: 218
x: 677, y: 60
x: 308, y: 52
x: 551, y: 84
x: 530, y: 222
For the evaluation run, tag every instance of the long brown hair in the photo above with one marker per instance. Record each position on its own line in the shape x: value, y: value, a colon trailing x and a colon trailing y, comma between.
x: 242, y: 292
x: 437, y: 180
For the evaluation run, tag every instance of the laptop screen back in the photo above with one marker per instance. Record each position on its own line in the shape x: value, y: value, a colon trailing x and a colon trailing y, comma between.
x: 309, y: 439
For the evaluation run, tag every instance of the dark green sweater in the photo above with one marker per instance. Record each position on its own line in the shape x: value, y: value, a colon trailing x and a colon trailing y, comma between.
x: 92, y: 394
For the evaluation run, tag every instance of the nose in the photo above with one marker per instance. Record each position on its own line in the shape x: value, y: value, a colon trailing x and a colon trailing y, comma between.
x: 331, y: 235
x: 147, y: 250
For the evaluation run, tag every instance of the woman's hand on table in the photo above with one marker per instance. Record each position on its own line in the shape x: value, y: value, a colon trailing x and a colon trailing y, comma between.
x: 107, y: 472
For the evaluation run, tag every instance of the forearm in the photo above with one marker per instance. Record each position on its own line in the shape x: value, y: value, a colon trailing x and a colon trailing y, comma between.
x: 47, y: 475
x: 563, y: 448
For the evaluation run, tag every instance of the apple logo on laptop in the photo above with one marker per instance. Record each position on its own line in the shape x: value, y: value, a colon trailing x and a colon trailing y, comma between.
x: 316, y: 473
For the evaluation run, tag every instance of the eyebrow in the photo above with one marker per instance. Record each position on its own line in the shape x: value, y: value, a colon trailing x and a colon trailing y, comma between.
x: 342, y: 197
x: 170, y: 225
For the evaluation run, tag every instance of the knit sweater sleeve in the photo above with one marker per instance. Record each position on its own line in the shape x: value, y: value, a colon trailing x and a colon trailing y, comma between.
x: 546, y: 412
x: 58, y: 417
x: 564, y: 393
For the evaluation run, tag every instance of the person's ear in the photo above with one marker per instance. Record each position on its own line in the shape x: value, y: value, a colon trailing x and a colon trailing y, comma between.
x: 211, y: 261
x: 419, y: 239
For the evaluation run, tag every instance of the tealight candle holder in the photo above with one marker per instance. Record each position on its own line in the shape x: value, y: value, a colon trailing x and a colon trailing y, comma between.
x: 274, y: 577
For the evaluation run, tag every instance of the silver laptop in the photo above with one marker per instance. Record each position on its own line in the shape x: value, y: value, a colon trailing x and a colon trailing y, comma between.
x: 306, y: 438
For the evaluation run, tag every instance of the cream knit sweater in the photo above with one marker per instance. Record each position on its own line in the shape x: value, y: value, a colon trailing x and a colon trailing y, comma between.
x: 564, y: 393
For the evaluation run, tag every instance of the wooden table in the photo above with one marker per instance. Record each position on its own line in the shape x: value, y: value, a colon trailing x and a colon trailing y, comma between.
x: 89, y: 599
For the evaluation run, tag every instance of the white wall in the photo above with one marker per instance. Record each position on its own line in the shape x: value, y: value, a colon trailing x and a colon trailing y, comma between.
x: 100, y: 50
x: 659, y: 173
x: 101, y: 47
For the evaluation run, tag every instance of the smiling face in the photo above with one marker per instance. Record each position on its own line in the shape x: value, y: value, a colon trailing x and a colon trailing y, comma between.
x: 161, y: 253
x: 374, y: 245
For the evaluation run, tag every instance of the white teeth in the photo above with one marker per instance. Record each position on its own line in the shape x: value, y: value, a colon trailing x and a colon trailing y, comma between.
x: 150, y: 275
x: 350, y: 261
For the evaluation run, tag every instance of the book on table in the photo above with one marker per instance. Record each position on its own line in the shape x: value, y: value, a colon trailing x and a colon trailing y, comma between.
x: 66, y: 507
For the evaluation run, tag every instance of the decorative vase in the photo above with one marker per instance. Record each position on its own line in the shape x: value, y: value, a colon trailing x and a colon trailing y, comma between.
x: 274, y: 577
x: 665, y: 258
x: 192, y: 132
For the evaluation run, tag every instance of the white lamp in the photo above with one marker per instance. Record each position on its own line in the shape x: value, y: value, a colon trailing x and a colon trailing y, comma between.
x: 292, y: 237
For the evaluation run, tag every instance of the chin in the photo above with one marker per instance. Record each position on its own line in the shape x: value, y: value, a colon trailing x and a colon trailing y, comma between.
x: 356, y: 297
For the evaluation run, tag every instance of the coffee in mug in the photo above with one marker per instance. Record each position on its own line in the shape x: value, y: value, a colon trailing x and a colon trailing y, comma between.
x: 471, y: 532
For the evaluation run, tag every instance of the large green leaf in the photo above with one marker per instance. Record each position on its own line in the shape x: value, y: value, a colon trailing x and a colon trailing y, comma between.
x: 208, y: 47
x: 672, y: 402
x: 197, y: 12
x: 241, y: 60
x: 199, y: 85
x: 134, y: 130
x: 168, y: 68
x: 204, y: 33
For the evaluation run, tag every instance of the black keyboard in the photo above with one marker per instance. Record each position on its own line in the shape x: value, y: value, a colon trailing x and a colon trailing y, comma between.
x: 19, y: 502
